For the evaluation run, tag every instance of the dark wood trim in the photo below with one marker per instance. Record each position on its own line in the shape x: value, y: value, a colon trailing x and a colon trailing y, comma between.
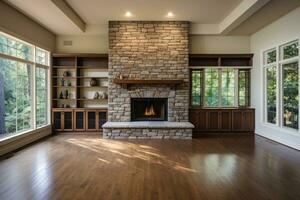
x: 221, y: 55
x: 99, y: 55
x: 213, y: 60
x: 127, y: 82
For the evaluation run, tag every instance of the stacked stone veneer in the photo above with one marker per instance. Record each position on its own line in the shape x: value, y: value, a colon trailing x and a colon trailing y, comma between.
x: 148, y: 50
x: 148, y: 133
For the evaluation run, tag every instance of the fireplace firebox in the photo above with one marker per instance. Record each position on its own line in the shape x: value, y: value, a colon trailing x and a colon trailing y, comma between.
x: 149, y: 109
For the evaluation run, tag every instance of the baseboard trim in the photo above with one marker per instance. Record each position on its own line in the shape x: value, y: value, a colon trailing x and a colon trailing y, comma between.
x: 14, y: 143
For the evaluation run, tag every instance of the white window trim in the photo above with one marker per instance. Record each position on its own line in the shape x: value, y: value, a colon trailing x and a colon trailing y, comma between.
x: 279, y: 94
x: 34, y: 65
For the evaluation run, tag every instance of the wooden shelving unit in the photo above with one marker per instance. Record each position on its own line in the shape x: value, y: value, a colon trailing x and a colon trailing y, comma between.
x: 76, y: 71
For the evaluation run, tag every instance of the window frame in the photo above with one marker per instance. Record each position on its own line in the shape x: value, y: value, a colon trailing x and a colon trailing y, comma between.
x: 280, y: 61
x: 34, y: 65
x: 236, y: 86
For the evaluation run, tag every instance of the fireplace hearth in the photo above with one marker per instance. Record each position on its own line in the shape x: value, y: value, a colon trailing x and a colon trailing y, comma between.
x: 149, y: 109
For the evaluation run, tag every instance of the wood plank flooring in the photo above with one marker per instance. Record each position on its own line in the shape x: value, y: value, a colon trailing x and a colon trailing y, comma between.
x: 88, y: 167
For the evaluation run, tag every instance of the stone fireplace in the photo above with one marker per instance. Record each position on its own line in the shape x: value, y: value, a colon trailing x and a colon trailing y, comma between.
x: 144, y: 53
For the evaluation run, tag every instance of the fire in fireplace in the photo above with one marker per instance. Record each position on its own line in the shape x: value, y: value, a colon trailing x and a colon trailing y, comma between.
x: 149, y: 109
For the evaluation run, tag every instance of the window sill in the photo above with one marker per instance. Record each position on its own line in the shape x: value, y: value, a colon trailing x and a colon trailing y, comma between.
x: 12, y: 137
x: 284, y: 130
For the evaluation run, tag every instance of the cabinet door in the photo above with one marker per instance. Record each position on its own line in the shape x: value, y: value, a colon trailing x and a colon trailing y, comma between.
x: 237, y: 120
x: 225, y: 120
x: 194, y: 119
x: 199, y: 119
x: 213, y: 120
x: 102, y: 118
x: 68, y: 121
x: 79, y: 116
x: 91, y: 120
x: 57, y: 120
x: 249, y: 120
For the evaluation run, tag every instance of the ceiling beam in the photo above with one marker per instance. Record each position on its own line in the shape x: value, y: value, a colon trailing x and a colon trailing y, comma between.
x: 70, y: 13
x: 242, y: 12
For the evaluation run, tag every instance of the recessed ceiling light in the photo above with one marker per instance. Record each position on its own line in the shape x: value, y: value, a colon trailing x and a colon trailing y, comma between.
x: 128, y: 14
x: 170, y: 14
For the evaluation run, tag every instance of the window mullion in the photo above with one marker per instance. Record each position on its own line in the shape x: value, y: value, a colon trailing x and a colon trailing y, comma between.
x: 279, y: 97
x: 220, y: 88
x: 236, y: 88
x: 33, y: 67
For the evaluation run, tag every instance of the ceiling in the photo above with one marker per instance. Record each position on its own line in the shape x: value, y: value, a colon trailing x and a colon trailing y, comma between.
x: 206, y: 16
x: 196, y: 11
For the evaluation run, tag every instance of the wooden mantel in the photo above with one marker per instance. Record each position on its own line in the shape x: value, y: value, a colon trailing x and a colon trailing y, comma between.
x: 127, y: 82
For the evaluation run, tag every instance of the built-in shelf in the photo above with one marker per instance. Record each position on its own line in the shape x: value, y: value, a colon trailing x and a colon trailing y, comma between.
x: 58, y: 86
x: 82, y: 68
x: 82, y: 86
x: 92, y: 67
x: 64, y: 67
x: 92, y: 100
x: 64, y: 77
x: 89, y: 77
x: 127, y: 82
x: 64, y: 99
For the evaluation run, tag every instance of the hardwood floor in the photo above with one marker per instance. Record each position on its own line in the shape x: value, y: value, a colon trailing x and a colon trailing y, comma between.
x: 88, y: 167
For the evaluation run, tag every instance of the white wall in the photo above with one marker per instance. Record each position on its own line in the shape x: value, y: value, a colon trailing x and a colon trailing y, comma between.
x: 82, y: 44
x: 19, y: 25
x: 284, y: 29
x: 210, y: 44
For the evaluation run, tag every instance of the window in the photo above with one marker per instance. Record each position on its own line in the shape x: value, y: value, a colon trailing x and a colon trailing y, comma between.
x: 211, y: 89
x: 17, y: 92
x: 23, y: 86
x: 41, y: 96
x: 290, y: 94
x: 228, y: 87
x: 196, y: 87
x: 16, y: 48
x: 41, y: 56
x: 270, y: 56
x: 222, y: 87
x: 283, y: 72
x: 271, y: 94
x: 244, y: 88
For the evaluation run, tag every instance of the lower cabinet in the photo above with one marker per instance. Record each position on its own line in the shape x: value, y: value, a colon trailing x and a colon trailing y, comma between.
x: 243, y: 120
x: 91, y: 119
x: 223, y: 120
x: 78, y: 119
x: 62, y: 120
x: 79, y: 116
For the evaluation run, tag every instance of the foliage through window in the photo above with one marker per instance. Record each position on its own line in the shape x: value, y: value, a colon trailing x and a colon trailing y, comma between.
x: 228, y: 87
x: 196, y: 87
x: 220, y: 87
x: 284, y: 73
x: 270, y: 56
x: 18, y: 91
x: 211, y: 88
x: 290, y: 50
x: 244, y: 88
x: 271, y: 94
x: 16, y: 48
x: 41, y: 96
x: 290, y: 95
